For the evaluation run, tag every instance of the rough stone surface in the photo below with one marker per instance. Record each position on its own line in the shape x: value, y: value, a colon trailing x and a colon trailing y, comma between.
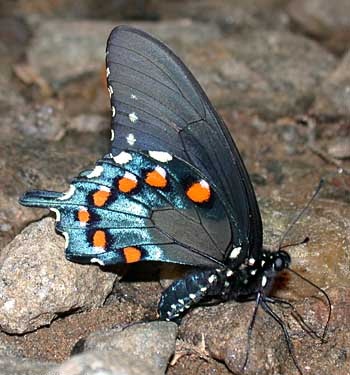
x: 333, y: 99
x: 38, y: 283
x: 329, y: 21
x: 267, y: 73
x: 64, y: 52
x: 225, y: 339
x: 153, y: 343
x: 23, y: 366
x: 105, y: 362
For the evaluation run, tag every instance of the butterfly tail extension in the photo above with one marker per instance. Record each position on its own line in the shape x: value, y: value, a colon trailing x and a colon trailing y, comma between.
x: 41, y: 198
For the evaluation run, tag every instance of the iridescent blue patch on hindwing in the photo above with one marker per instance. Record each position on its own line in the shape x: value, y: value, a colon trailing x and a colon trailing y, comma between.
x: 135, y: 210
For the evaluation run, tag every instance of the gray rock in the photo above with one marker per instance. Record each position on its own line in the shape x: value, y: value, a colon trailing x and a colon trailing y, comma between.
x: 104, y: 363
x: 62, y: 51
x: 329, y: 21
x: 89, y: 123
x: 23, y: 366
x: 333, y: 98
x: 268, y: 73
x: 37, y: 283
x: 232, y: 16
x: 153, y: 343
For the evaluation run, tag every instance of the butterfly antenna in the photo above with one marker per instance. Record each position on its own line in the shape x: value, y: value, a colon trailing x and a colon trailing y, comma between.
x: 301, y: 213
x: 325, y: 295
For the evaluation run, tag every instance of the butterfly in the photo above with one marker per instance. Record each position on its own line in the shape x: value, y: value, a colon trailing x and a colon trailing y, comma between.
x: 172, y: 189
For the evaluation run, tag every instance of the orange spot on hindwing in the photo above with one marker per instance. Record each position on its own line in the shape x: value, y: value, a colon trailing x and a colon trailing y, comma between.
x: 199, y: 192
x: 157, y: 178
x: 83, y: 216
x: 99, y: 239
x: 101, y: 196
x: 132, y: 254
x: 127, y: 183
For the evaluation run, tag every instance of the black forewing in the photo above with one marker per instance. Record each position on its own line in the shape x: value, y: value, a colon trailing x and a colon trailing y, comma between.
x: 157, y: 104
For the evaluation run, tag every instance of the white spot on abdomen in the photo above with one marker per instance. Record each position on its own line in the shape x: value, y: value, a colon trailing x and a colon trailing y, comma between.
x: 160, y: 156
x: 235, y: 252
x: 133, y: 117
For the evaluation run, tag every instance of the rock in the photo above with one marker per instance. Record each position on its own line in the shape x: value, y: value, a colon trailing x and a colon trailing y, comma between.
x: 106, y: 362
x: 268, y: 73
x: 23, y: 366
x: 89, y: 123
x: 28, y: 162
x: 64, y: 50
x: 328, y: 21
x: 46, y: 122
x: 333, y: 98
x: 232, y: 17
x: 37, y: 283
x: 222, y: 331
x: 340, y: 149
x: 152, y: 343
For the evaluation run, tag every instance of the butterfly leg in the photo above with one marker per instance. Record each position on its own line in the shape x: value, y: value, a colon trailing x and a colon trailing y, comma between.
x: 182, y: 294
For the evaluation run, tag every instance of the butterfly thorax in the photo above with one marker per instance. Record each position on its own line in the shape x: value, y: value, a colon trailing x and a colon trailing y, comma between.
x: 256, y: 276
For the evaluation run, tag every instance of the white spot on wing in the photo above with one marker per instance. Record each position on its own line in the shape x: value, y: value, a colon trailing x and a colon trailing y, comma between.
x: 110, y: 90
x: 131, y: 139
x: 113, y: 110
x: 66, y: 237
x: 192, y: 296
x: 251, y: 261
x: 204, y: 184
x: 161, y: 171
x: 132, y: 96
x: 58, y: 214
x: 235, y: 252
x: 122, y: 158
x: 67, y: 194
x: 160, y: 156
x: 97, y: 171
x: 133, y: 117
x: 108, y: 72
x: 99, y: 250
x: 98, y: 261
x: 112, y: 135
x: 105, y: 188
x: 130, y: 176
